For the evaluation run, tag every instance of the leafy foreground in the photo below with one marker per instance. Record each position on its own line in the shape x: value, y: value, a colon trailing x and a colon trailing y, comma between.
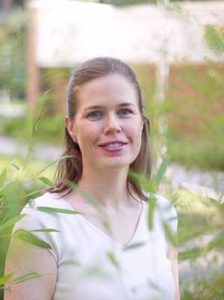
x: 201, y: 234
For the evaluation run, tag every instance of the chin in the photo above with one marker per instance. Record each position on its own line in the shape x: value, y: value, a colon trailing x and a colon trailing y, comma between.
x: 115, y: 163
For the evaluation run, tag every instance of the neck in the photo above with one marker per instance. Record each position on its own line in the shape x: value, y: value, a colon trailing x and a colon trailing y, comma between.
x: 107, y: 187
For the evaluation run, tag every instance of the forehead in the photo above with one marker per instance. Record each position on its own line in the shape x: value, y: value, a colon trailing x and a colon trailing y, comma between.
x: 108, y: 90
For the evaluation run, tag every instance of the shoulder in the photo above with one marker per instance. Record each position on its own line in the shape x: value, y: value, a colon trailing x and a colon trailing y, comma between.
x: 34, y: 218
x: 41, y: 225
x: 164, y: 209
x: 165, y: 206
x: 47, y: 200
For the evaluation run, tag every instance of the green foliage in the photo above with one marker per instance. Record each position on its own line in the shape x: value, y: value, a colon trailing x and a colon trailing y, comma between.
x: 28, y: 237
x: 52, y: 210
x: 12, y: 54
x: 49, y: 130
x: 195, y: 116
x: 214, y: 36
x: 197, y: 217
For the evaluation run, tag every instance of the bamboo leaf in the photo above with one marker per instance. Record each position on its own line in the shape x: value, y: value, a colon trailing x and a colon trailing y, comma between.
x: 15, y: 166
x: 46, y: 181
x: 54, y: 162
x: 5, y: 278
x: 146, y: 184
x: 53, y: 210
x: 135, y: 245
x: 11, y: 222
x: 170, y: 234
x: 45, y: 230
x: 113, y: 259
x: 26, y: 277
x: 28, y: 237
x: 3, y: 176
x: 151, y: 211
x: 162, y: 170
x: 192, y: 254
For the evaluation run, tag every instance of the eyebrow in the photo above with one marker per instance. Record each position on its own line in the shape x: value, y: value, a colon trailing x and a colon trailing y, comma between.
x: 101, y: 106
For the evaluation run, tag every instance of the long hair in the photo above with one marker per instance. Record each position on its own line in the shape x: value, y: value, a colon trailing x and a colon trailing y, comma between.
x: 69, y: 168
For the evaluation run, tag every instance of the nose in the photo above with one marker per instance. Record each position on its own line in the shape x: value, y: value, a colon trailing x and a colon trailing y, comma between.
x: 112, y: 124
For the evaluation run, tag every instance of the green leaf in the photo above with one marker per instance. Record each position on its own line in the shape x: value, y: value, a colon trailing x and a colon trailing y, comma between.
x: 217, y: 242
x: 46, y: 181
x: 28, y: 237
x: 33, y: 194
x: 53, y: 210
x: 3, y: 175
x: 170, y: 234
x: 192, y: 253
x: 15, y: 166
x: 54, y: 162
x: 5, y: 278
x: 26, y: 277
x: 161, y: 171
x: 11, y: 222
x: 45, y: 230
x: 146, y: 184
x: 113, y: 259
x: 135, y: 245
x: 151, y: 211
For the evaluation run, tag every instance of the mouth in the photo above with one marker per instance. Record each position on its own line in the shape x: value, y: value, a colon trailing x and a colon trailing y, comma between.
x: 113, y: 147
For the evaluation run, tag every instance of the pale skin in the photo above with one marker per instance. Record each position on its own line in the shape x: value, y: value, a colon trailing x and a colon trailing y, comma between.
x: 114, y: 95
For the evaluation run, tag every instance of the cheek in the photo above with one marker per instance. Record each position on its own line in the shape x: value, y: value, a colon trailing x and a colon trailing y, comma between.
x: 135, y: 130
x: 88, y: 133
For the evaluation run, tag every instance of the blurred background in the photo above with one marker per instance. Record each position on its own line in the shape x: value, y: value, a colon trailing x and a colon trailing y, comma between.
x: 177, y: 51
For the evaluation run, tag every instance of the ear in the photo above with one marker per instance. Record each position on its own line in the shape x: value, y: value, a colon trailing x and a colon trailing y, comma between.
x: 69, y: 126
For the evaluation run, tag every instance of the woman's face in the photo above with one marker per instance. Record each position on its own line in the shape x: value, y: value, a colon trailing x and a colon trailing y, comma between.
x: 108, y: 124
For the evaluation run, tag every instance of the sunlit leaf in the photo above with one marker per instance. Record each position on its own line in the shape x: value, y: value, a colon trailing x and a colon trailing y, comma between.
x: 28, y: 237
x: 3, y: 175
x: 46, y: 181
x: 11, y: 222
x: 5, y: 278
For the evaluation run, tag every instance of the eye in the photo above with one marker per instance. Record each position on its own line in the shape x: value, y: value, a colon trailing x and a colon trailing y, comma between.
x: 94, y: 115
x: 125, y: 112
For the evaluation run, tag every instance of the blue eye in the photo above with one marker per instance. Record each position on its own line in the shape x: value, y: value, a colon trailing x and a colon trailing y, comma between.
x: 94, y: 115
x: 125, y: 112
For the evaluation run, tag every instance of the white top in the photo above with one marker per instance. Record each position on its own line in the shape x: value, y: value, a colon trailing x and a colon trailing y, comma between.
x: 92, y: 266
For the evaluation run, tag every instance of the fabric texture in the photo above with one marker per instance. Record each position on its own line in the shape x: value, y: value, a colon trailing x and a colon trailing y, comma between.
x: 92, y: 266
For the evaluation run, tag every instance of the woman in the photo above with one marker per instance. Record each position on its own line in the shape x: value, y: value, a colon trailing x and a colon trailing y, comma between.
x: 106, y: 250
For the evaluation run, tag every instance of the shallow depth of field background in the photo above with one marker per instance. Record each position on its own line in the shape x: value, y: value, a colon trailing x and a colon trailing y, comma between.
x: 193, y: 110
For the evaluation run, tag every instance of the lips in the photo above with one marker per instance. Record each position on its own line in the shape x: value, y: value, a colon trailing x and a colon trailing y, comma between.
x: 113, y: 145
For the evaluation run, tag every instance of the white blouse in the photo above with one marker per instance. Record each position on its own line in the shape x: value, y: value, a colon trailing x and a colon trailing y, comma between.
x: 92, y: 266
